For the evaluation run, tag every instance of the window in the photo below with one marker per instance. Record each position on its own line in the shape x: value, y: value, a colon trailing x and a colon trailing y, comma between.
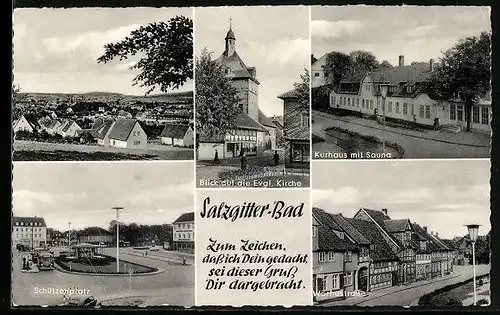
x: 321, y: 256
x: 348, y: 256
x: 397, y: 107
x: 363, y: 104
x: 422, y: 110
x: 389, y: 107
x: 321, y: 284
x: 137, y: 142
x: 453, y: 112
x: 316, y: 74
x: 371, y: 104
x: 331, y: 256
x: 305, y: 119
x: 349, y: 101
x: 405, y: 109
x: 300, y: 152
x: 335, y: 282
x: 357, y: 102
x: 348, y: 279
x: 460, y: 113
x: 314, y: 231
x: 428, y: 112
x: 475, y: 114
x: 485, y: 115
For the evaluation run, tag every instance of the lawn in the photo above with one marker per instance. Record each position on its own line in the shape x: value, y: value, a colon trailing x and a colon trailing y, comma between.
x: 105, y: 266
x: 48, y: 151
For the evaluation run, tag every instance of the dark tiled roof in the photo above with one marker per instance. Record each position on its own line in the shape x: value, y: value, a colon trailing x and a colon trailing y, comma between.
x: 432, y: 245
x: 265, y: 121
x: 244, y: 121
x: 329, y: 241
x: 29, y: 220
x: 122, y: 129
x: 380, y: 217
x: 92, y: 132
x: 102, y: 125
x: 186, y: 217
x: 349, y: 229
x: 324, y: 218
x: 238, y: 68
x: 395, y: 226
x: 450, y: 244
x: 94, y: 230
x: 204, y: 137
x: 31, y: 119
x: 293, y: 94
x: 381, y: 251
x: 176, y: 131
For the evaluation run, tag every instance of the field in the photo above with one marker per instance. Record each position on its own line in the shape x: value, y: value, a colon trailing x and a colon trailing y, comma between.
x: 45, y: 151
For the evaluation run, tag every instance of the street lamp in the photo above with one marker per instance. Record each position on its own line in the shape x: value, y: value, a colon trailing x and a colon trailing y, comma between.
x: 69, y: 238
x: 117, y: 237
x: 473, y: 233
x: 384, y: 86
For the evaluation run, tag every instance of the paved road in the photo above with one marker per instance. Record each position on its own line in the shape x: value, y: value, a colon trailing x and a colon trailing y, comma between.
x: 414, y: 147
x: 406, y: 295
x: 175, y: 286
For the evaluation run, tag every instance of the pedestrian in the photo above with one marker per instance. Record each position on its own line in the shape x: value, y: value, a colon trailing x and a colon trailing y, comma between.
x: 216, y: 157
x: 243, y: 161
x: 276, y: 157
x: 24, y: 263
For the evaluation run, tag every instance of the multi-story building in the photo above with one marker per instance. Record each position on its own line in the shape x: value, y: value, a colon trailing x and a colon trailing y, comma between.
x: 319, y: 76
x: 254, y: 131
x: 183, y: 232
x: 296, y: 131
x: 54, y: 237
x: 398, y: 235
x: 335, y: 259
x: 29, y: 231
x: 407, y: 99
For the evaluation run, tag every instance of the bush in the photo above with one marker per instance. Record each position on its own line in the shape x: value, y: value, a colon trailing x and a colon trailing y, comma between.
x: 454, y: 302
x: 483, y: 302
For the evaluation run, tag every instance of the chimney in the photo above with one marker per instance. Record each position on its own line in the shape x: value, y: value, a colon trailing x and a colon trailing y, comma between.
x: 384, y: 211
x: 425, y: 229
x: 401, y: 60
x: 437, y: 234
x: 431, y: 65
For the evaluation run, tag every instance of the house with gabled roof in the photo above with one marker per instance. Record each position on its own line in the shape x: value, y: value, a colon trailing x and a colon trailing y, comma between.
x: 95, y: 235
x: 127, y: 133
x: 253, y: 131
x: 335, y: 258
x: 101, y: 129
x: 296, y: 130
x: 398, y: 234
x: 27, y: 123
x: 407, y: 99
x: 178, y: 135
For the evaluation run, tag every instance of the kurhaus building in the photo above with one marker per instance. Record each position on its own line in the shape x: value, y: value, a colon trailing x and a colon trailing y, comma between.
x: 406, y: 100
x: 255, y: 132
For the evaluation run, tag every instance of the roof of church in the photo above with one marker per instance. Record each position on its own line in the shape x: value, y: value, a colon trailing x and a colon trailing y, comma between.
x: 264, y: 120
x: 230, y: 34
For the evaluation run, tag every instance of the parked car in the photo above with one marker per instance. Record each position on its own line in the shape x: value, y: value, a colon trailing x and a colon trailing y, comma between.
x: 154, y: 248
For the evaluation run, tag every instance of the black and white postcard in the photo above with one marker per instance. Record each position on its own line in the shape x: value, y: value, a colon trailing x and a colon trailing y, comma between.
x: 110, y: 234
x: 252, y: 97
x: 401, y: 82
x: 96, y: 84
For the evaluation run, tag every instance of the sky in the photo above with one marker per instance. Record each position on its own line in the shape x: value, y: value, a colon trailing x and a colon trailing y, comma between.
x: 417, y: 33
x: 83, y: 193
x: 443, y: 195
x: 55, y: 50
x: 275, y: 40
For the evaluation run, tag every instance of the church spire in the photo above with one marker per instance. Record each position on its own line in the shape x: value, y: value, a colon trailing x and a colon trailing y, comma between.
x: 230, y: 41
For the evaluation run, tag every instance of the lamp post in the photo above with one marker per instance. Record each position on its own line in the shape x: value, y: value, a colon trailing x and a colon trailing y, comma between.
x: 473, y: 233
x: 117, y: 209
x: 69, y: 238
x: 384, y: 86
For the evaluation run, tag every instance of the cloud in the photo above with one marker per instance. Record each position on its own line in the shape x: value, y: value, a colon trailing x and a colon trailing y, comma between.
x: 91, y: 41
x: 289, y: 51
x: 343, y: 195
x: 164, y: 196
x: 335, y: 29
x: 410, y: 196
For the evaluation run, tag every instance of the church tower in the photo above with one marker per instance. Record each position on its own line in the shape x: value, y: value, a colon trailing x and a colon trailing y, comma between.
x: 230, y: 42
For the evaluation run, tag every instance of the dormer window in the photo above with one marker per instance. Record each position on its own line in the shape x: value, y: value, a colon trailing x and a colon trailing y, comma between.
x: 227, y: 71
x: 304, y: 119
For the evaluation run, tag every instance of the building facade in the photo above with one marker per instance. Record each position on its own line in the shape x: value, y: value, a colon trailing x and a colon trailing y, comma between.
x: 319, y: 76
x: 183, y: 233
x: 406, y: 100
x: 296, y: 131
x: 29, y: 231
x: 254, y: 132
x: 95, y: 235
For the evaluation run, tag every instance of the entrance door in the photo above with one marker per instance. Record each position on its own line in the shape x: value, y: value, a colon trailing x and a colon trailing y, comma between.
x: 363, y: 279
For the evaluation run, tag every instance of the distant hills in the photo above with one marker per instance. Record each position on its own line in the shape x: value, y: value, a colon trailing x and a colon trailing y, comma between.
x: 163, y: 97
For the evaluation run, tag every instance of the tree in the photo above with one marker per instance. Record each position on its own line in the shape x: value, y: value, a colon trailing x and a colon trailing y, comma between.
x: 303, y: 88
x: 338, y: 66
x: 216, y: 98
x: 385, y: 64
x: 363, y: 61
x: 464, y: 72
x: 167, y: 49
